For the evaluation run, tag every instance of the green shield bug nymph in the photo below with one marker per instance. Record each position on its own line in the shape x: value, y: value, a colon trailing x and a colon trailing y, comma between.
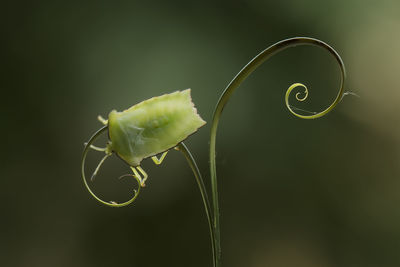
x: 145, y: 130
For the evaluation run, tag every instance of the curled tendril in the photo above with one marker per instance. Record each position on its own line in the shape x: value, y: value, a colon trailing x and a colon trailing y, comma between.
x: 298, y: 97
x: 111, y: 203
x: 235, y: 83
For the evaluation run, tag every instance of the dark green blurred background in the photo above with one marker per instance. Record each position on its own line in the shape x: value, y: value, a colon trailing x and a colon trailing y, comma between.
x: 295, y: 193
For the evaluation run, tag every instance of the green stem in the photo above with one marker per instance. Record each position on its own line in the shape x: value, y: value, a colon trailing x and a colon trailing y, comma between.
x: 192, y: 163
x: 235, y: 83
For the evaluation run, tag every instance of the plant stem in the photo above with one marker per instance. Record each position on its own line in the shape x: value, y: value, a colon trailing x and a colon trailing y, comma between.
x: 235, y: 83
x: 192, y: 163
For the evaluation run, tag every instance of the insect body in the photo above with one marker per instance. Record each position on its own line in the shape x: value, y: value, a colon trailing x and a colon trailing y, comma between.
x: 147, y: 129
x: 152, y: 126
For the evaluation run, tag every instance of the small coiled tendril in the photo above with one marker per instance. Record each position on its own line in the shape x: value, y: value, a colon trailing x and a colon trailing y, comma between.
x: 111, y: 203
x: 235, y: 83
x: 298, y: 98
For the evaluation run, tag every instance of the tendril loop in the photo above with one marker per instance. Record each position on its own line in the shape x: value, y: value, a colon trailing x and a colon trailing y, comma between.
x: 110, y: 203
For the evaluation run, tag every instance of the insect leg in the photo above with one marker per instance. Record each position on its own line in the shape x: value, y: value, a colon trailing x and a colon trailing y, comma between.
x: 158, y: 161
x: 98, y: 166
x: 101, y: 149
x: 102, y: 120
x: 144, y: 174
x: 136, y: 173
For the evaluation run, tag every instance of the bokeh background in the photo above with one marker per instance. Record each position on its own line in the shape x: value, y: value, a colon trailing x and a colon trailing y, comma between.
x: 292, y: 192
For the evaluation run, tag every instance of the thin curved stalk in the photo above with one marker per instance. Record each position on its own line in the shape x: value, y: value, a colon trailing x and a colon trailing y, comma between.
x: 192, y: 163
x: 235, y: 83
